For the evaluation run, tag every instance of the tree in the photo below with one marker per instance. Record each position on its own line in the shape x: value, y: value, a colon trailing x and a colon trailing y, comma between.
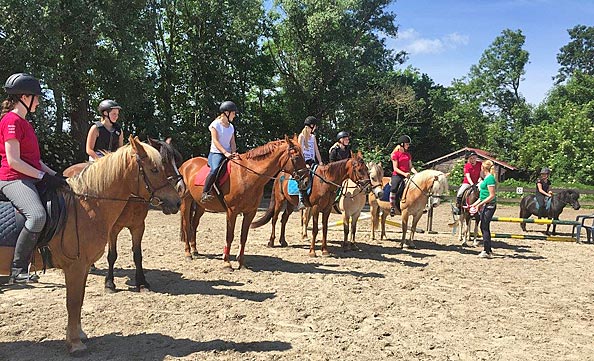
x: 578, y: 54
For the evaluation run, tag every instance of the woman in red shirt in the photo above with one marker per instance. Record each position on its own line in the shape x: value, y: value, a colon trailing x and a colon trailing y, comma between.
x: 402, y: 164
x: 21, y: 168
x: 472, y: 175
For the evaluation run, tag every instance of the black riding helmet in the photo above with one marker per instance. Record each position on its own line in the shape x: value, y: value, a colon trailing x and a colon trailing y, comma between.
x: 310, y: 120
x: 471, y: 153
x: 545, y: 170
x: 342, y: 134
x: 228, y: 106
x: 106, y: 106
x: 404, y: 139
x: 23, y: 84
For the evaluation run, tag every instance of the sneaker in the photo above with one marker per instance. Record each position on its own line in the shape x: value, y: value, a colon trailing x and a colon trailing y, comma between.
x: 392, y: 211
x: 206, y: 197
x: 484, y: 254
x: 23, y: 278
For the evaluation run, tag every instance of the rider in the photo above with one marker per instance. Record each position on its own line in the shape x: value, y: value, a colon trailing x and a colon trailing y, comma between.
x: 21, y: 168
x: 402, y: 164
x: 222, y: 144
x: 309, y: 148
x: 106, y: 134
x: 342, y: 148
x: 472, y: 174
x: 543, y: 193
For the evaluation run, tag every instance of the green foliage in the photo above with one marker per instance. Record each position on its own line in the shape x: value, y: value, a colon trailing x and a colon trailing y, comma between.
x: 578, y: 54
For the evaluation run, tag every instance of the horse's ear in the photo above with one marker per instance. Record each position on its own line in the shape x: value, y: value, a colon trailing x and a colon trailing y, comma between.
x: 359, y: 154
x: 137, y: 146
x: 152, y: 142
x: 168, y: 140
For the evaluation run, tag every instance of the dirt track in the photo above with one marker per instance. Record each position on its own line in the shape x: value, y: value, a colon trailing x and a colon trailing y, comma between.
x: 534, y: 301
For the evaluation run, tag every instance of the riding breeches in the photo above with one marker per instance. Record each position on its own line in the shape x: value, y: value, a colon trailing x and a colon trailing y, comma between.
x: 24, y: 196
x: 462, y: 188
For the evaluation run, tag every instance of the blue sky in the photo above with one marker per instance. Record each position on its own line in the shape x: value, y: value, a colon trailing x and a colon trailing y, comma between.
x: 445, y: 37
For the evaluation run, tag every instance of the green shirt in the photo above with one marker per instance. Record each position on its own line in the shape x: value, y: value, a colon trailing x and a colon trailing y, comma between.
x: 484, y: 188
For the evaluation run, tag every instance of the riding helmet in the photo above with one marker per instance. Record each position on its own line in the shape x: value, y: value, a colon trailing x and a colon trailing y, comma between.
x: 310, y: 120
x: 471, y: 153
x: 22, y: 83
x: 107, y: 105
x: 228, y: 106
x: 404, y: 139
x: 342, y: 134
x: 545, y: 170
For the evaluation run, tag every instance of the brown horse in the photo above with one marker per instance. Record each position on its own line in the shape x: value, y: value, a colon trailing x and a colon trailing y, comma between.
x: 98, y: 196
x: 241, y: 193
x: 469, y: 196
x: 326, y: 180
x: 134, y: 214
x: 416, y: 194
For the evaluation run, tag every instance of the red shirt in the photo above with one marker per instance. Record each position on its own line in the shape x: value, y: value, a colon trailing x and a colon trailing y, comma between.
x: 404, y: 159
x: 12, y: 126
x: 474, y: 170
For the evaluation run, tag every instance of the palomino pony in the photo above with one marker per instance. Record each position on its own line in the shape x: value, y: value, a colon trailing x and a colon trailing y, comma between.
x: 241, y: 193
x: 559, y: 200
x: 416, y: 194
x: 134, y: 214
x: 469, y: 196
x: 98, y: 196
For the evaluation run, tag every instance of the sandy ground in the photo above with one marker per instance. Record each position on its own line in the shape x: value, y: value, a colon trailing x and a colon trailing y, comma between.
x: 534, y: 301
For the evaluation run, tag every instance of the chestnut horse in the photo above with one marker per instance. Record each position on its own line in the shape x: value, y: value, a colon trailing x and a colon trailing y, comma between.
x: 134, y: 214
x: 469, y: 196
x: 416, y: 194
x: 326, y: 180
x: 241, y: 193
x: 98, y: 196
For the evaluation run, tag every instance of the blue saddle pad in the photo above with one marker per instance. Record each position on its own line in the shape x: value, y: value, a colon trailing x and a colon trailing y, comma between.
x: 386, y: 195
x: 293, y: 187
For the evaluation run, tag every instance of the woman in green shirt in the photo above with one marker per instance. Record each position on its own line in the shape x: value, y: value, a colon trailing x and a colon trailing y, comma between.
x: 486, y: 205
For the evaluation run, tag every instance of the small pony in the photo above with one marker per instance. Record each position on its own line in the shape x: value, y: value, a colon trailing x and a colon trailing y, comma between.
x: 529, y: 206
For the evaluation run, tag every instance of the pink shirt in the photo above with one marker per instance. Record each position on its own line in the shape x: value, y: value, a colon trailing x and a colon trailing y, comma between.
x: 12, y: 126
x: 404, y: 159
x: 473, y: 170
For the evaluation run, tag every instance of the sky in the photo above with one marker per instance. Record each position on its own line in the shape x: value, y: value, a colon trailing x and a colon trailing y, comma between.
x: 444, y: 38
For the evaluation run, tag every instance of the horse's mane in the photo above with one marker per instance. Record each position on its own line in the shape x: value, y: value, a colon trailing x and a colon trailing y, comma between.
x: 169, y: 153
x: 101, y: 174
x: 264, y: 150
x: 333, y: 167
x: 440, y: 185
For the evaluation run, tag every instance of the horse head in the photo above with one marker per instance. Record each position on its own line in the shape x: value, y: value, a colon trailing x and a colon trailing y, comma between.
x: 432, y: 183
x: 570, y: 197
x: 359, y: 173
x: 376, y: 175
x: 172, y: 160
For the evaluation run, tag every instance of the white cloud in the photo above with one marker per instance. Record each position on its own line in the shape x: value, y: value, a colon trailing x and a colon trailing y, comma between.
x: 411, y: 41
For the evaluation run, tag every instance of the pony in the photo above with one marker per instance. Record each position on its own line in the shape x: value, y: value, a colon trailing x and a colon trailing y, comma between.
x: 469, y: 196
x: 415, y: 197
x: 528, y: 206
x: 95, y: 201
x: 323, y: 192
x: 240, y: 194
x: 134, y: 214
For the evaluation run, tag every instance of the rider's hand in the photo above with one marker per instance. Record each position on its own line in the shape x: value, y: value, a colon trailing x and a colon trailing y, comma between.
x: 53, y: 181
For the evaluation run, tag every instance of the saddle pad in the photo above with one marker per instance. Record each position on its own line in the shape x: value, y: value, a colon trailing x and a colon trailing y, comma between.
x: 386, y: 195
x: 11, y: 223
x: 293, y: 188
x: 203, y: 172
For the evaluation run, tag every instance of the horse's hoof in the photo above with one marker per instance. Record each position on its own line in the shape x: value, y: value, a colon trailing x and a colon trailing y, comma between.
x: 325, y: 253
x: 82, y: 335
x: 188, y: 257
x: 270, y: 244
x: 77, y: 349
x: 143, y: 288
x: 195, y: 254
x: 464, y: 244
x: 284, y: 244
x: 227, y: 266
x: 312, y: 254
x: 110, y: 290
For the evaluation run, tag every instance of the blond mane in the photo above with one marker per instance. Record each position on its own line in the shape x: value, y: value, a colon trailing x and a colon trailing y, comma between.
x: 101, y: 174
x: 440, y: 185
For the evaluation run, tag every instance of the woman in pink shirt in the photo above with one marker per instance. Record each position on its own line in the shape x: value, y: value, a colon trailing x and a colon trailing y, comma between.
x: 472, y: 174
x: 21, y: 168
x: 402, y: 164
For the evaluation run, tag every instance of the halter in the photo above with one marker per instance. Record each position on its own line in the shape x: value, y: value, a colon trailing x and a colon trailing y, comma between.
x: 297, y: 174
x: 361, y: 183
x: 153, y: 200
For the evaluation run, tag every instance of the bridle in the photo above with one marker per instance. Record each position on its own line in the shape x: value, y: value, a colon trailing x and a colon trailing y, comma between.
x: 153, y: 200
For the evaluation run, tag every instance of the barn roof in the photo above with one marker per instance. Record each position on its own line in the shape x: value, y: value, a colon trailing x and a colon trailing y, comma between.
x: 462, y: 153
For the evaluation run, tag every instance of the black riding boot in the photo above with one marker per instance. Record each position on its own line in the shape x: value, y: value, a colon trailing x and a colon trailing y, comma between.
x: 206, y: 191
x: 23, y: 251
x: 458, y: 205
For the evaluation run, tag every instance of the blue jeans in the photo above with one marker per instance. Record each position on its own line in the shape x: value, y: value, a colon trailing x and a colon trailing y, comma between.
x: 486, y: 216
x: 214, y: 162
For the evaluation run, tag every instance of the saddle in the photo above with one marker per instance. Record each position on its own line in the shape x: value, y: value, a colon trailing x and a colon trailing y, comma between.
x: 222, y: 174
x: 12, y: 222
x: 294, y: 187
x: 547, y: 203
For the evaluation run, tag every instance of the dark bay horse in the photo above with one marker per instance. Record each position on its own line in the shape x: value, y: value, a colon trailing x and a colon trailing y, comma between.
x: 326, y: 181
x: 135, y: 212
x: 98, y: 196
x: 528, y: 206
x: 469, y: 196
x: 241, y: 193
x: 416, y: 194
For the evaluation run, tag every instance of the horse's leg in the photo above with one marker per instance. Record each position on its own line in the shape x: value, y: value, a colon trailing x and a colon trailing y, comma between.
x: 524, y: 213
x: 475, y: 241
x: 305, y: 216
x: 325, y: 216
x: 461, y: 224
x: 137, y: 231
x: 345, y: 229
x: 248, y: 217
x: 288, y: 211
x: 186, y: 215
x: 197, y: 213
x: 231, y: 219
x: 383, y: 224
x: 404, y: 217
x: 112, y: 256
x: 374, y: 211
x: 314, y: 231
x: 75, y: 276
x: 354, y: 219
x: 277, y: 208
x: 413, y: 228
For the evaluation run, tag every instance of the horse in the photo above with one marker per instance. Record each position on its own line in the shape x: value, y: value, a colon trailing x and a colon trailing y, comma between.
x: 134, y: 214
x: 528, y: 206
x: 240, y: 194
x: 325, y: 185
x: 415, y: 197
x: 95, y: 201
x: 469, y: 196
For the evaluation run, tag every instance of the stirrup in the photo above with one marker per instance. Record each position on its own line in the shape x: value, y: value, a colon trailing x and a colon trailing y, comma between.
x: 206, y: 197
x: 392, y: 211
x: 23, y: 278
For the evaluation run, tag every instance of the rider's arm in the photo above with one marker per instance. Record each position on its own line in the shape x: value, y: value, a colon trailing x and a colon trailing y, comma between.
x: 412, y: 168
x: 541, y: 191
x: 468, y: 178
x: 13, y: 156
x: 121, y: 140
x: 318, y: 156
x: 47, y: 169
x: 215, y: 141
x: 233, y: 145
x: 91, y: 139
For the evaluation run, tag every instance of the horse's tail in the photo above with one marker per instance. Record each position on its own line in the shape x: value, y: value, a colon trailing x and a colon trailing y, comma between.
x: 266, y: 217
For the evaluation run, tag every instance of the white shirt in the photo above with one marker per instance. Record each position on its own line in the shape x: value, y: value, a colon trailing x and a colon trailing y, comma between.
x: 309, y: 152
x: 224, y: 135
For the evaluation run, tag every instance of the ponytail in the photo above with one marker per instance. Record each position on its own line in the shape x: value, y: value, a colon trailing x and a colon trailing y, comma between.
x: 490, y: 167
x: 8, y: 104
